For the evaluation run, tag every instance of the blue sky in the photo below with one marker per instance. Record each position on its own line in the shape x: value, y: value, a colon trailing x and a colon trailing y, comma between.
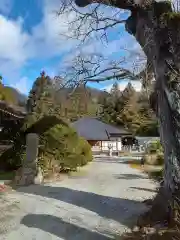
x: 31, y: 42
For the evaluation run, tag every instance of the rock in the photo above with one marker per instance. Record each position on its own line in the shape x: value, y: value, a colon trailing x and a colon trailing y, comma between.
x: 28, y: 175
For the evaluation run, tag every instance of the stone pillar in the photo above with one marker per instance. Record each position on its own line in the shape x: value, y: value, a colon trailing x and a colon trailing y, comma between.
x: 29, y: 173
x: 32, y: 143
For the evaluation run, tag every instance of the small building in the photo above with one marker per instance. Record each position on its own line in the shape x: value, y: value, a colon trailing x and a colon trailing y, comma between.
x: 101, y: 136
x: 145, y: 141
x: 10, y: 117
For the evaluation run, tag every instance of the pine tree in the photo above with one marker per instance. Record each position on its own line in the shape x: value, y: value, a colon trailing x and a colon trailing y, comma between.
x: 42, y: 91
x: 130, y: 109
x: 41, y: 100
x: 79, y: 103
x: 111, y: 106
x: 106, y: 111
x: 115, y: 91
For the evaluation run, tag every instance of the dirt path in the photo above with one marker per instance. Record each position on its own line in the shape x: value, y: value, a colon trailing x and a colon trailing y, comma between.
x: 99, y: 203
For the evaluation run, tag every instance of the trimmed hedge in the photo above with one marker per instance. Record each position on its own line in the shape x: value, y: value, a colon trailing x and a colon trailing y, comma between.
x: 61, y: 149
x: 64, y: 149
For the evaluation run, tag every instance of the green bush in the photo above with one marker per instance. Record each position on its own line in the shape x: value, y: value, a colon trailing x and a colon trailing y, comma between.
x: 160, y: 159
x: 84, y: 151
x: 12, y: 158
x: 154, y: 153
x: 154, y: 147
x: 66, y: 150
x: 156, y: 175
x: 61, y: 149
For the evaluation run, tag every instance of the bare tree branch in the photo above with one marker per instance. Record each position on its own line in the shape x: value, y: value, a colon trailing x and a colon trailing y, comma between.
x: 123, y: 4
x: 90, y: 25
x: 93, y: 22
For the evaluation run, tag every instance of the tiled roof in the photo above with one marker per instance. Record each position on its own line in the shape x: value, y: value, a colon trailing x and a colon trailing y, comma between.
x: 94, y: 129
x: 12, y: 110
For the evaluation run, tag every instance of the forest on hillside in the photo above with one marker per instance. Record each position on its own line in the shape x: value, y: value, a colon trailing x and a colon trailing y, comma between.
x: 130, y: 109
x: 127, y: 108
x: 12, y: 96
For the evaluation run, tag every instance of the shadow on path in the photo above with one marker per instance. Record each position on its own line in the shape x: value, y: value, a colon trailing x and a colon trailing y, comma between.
x: 144, y: 189
x: 118, y: 209
x: 61, y: 229
x: 130, y: 176
x: 117, y: 160
x: 108, y: 160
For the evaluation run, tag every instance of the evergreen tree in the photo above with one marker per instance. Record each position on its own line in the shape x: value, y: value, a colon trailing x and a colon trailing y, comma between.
x: 80, y: 104
x: 149, y: 123
x: 40, y: 101
x: 115, y: 91
x: 111, y: 106
x: 106, y: 111
x: 130, y: 109
x: 41, y: 94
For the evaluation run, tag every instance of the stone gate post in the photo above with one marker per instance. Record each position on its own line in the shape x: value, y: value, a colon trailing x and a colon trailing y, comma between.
x: 29, y: 172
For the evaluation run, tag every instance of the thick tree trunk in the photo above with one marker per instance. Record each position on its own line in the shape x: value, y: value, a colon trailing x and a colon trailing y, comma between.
x: 159, y: 35
x: 157, y: 29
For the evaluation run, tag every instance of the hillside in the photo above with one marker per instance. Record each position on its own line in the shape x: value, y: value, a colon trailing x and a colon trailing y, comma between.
x: 95, y: 94
x: 20, y: 99
x: 12, y: 96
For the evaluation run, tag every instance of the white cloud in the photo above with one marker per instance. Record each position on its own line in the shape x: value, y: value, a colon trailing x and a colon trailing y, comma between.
x: 22, y: 85
x: 122, y: 85
x: 17, y: 46
x: 13, y: 40
x: 13, y: 51
x: 45, y: 41
x: 48, y: 38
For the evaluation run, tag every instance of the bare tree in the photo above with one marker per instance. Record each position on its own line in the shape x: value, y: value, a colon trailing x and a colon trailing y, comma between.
x: 92, y: 27
x: 95, y: 68
x: 156, y: 27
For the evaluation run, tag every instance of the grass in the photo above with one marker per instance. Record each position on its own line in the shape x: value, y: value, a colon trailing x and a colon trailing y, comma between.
x: 154, y: 172
x: 135, y: 165
x: 7, y: 175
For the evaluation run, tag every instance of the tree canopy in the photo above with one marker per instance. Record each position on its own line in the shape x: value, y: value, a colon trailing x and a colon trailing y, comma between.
x: 130, y: 109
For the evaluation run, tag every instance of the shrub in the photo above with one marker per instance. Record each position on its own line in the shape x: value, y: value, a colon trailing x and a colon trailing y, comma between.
x: 155, y: 146
x: 84, y: 151
x: 154, y: 153
x: 12, y: 158
x: 61, y: 149
x: 64, y: 148
x: 154, y: 159
x: 160, y: 159
x: 150, y: 159
x: 156, y: 175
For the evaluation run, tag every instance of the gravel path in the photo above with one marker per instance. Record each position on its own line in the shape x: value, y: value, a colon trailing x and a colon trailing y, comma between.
x: 99, y: 203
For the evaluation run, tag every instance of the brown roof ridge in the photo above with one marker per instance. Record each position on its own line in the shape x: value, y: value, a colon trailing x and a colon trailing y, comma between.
x: 11, y: 109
